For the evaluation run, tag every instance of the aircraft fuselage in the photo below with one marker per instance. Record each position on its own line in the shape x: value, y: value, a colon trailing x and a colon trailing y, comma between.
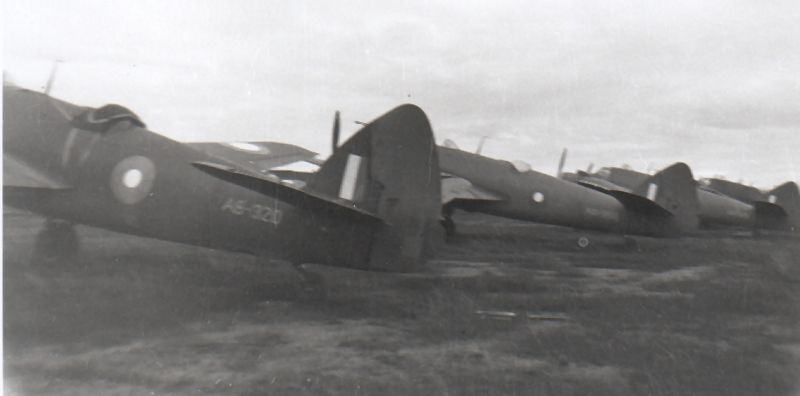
x: 714, y: 210
x: 129, y: 179
x: 537, y: 197
x: 719, y: 210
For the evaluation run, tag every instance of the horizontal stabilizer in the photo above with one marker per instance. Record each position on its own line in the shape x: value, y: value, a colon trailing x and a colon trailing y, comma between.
x: 764, y: 208
x: 292, y: 175
x: 638, y: 203
x: 628, y: 199
x: 454, y: 188
x: 273, y: 187
x: 18, y: 174
x: 602, y: 185
x: 593, y: 186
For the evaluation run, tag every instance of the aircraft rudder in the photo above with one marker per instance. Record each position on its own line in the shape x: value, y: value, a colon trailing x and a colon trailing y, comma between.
x: 390, y: 168
x: 787, y: 196
x: 674, y: 189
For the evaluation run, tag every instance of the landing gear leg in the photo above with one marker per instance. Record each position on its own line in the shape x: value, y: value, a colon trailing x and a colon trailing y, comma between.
x: 314, y: 283
x: 447, y: 222
x: 57, y: 240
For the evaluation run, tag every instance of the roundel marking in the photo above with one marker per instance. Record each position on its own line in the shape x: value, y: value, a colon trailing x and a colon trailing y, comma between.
x: 132, y: 179
x: 537, y: 197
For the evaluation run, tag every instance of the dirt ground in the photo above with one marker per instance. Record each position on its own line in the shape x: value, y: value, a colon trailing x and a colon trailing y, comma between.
x: 507, y: 308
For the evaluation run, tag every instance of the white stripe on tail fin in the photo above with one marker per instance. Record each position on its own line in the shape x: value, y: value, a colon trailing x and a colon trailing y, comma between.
x: 347, y: 189
x: 652, y: 191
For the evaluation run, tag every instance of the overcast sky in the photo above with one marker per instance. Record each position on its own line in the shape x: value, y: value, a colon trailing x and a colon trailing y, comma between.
x: 713, y: 83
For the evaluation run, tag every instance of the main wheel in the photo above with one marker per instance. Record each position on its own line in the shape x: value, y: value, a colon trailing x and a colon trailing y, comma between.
x: 314, y: 287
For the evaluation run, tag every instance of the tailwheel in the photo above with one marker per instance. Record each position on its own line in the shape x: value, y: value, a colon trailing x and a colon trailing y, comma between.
x: 314, y: 284
x: 435, y: 237
x: 57, y: 241
x: 449, y: 226
x: 630, y: 244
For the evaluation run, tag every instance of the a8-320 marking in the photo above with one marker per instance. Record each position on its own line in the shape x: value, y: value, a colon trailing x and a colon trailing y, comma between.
x: 241, y: 207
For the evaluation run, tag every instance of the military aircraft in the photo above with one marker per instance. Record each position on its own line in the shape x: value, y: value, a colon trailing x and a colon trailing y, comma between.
x: 473, y: 182
x: 370, y: 206
x: 780, y: 206
x: 741, y: 192
x: 715, y: 209
x: 664, y: 204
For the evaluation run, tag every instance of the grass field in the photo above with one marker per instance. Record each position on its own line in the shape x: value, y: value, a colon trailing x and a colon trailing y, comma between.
x: 506, y: 308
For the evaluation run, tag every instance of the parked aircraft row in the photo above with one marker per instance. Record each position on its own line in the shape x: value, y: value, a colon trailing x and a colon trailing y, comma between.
x: 619, y: 200
x: 375, y: 204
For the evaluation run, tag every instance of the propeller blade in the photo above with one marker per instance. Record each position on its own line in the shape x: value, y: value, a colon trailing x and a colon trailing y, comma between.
x: 590, y: 167
x: 51, y: 78
x: 561, y: 162
x: 336, y: 131
x: 480, y: 145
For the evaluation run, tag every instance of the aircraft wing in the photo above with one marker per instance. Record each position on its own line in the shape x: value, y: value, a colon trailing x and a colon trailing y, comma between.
x: 257, y: 157
x: 19, y: 174
x: 454, y: 188
x: 272, y: 186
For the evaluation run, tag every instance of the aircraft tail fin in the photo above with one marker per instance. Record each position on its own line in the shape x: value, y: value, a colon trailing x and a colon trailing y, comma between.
x: 787, y: 197
x: 769, y: 215
x: 389, y: 168
x: 675, y: 190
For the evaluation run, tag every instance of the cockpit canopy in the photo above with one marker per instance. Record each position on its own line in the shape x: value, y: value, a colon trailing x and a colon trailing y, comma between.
x: 521, y: 166
x: 604, y: 172
x: 103, y: 118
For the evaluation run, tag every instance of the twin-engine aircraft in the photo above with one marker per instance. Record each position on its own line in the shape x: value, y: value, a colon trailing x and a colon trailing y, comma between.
x: 664, y: 204
x: 370, y: 206
x: 778, y: 209
x: 781, y: 205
